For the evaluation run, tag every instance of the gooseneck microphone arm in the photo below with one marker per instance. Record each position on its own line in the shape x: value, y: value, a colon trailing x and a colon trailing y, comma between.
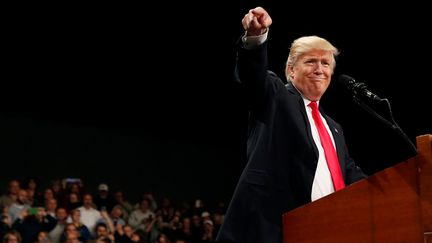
x: 391, y: 124
x: 359, y: 89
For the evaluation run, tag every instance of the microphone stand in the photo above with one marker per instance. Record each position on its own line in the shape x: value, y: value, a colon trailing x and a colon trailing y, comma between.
x: 393, y: 125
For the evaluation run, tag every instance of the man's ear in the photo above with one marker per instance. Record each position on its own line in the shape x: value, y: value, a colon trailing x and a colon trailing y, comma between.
x: 289, y: 72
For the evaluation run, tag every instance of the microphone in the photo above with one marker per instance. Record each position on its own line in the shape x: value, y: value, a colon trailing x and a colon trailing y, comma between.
x: 357, y: 88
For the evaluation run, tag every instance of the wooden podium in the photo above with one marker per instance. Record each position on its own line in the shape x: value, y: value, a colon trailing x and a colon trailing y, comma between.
x: 394, y: 205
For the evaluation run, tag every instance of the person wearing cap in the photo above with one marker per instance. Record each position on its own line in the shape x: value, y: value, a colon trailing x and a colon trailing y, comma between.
x: 103, y: 199
x: 205, y: 216
x: 208, y: 234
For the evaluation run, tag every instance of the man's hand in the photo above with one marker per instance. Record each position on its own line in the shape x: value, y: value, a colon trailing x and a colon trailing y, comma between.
x: 256, y: 21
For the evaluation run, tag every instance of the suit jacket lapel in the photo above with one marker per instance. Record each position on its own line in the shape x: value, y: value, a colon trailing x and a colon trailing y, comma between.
x: 338, y: 142
x: 300, y: 102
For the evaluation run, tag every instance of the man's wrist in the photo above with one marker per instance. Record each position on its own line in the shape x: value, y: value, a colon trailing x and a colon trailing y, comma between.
x: 251, y: 42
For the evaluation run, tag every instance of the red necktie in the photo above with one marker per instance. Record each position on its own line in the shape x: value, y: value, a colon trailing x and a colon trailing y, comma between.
x: 329, y: 149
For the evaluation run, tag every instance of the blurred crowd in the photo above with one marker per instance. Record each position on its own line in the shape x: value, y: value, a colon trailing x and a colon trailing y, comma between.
x: 65, y: 212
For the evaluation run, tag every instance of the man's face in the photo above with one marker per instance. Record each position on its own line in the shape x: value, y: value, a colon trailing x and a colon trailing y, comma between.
x: 311, y: 74
x: 101, y: 231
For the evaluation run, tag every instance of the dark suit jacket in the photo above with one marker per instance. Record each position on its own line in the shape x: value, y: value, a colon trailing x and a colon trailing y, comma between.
x: 282, y: 156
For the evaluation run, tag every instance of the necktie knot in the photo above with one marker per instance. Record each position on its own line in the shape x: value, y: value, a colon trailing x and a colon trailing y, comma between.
x: 313, y: 105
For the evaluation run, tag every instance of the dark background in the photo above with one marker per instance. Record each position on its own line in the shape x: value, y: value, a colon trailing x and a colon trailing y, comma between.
x: 143, y: 98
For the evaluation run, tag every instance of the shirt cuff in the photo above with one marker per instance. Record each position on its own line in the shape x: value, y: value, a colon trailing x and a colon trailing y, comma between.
x: 251, y: 42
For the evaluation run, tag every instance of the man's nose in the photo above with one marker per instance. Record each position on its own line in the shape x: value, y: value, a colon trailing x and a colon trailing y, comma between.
x: 319, y: 68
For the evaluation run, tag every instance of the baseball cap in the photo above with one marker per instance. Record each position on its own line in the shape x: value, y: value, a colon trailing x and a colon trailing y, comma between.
x: 103, y: 187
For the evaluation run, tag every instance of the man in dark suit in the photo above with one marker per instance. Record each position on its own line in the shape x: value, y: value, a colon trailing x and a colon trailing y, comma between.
x: 288, y: 164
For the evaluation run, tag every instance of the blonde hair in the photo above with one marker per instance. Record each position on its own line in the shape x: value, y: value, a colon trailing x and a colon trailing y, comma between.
x: 12, y: 233
x: 305, y: 44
